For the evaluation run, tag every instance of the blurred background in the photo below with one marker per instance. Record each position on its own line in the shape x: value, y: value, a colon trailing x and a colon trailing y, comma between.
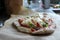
x: 3, y: 11
x: 55, y: 1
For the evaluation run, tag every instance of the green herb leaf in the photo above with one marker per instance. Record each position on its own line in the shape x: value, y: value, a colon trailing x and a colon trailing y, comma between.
x: 31, y: 25
x: 27, y: 17
x: 45, y: 25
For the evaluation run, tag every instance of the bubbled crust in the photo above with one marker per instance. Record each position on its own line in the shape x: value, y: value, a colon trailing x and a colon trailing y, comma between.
x: 40, y: 31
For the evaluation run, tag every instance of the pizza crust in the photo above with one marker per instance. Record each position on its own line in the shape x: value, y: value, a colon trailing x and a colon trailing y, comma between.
x: 28, y: 30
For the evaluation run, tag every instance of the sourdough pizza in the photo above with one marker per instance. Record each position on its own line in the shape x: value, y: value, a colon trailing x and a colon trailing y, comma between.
x: 40, y: 24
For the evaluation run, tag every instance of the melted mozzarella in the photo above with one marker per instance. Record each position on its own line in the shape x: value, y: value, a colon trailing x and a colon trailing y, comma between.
x: 27, y: 21
x: 38, y: 20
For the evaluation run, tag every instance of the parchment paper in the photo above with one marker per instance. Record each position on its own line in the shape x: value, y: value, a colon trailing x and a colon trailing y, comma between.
x: 8, y: 32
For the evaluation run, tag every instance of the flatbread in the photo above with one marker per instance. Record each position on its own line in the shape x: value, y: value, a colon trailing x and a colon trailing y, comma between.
x: 27, y: 30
